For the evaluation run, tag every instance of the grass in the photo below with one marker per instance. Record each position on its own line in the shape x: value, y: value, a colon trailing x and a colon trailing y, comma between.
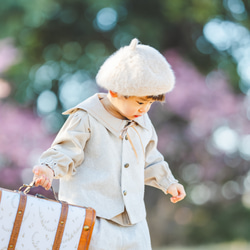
x: 239, y: 245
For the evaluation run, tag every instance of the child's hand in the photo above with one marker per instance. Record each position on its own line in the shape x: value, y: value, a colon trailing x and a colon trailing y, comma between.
x: 43, y: 176
x: 177, y: 191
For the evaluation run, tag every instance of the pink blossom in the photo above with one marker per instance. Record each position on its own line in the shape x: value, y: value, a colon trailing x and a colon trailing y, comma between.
x: 203, y: 101
x: 22, y: 139
x: 9, y: 55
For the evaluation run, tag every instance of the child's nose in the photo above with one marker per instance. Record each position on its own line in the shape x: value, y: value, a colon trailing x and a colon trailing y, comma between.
x: 144, y: 109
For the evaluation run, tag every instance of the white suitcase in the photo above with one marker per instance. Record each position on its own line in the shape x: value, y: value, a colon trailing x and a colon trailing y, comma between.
x: 28, y: 222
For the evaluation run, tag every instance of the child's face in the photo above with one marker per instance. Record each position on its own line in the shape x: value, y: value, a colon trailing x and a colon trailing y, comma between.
x: 132, y: 107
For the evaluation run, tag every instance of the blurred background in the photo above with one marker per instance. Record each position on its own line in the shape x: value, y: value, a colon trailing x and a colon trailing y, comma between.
x: 50, y: 52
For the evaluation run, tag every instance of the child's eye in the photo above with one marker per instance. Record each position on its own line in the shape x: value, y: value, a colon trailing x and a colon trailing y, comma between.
x: 140, y: 103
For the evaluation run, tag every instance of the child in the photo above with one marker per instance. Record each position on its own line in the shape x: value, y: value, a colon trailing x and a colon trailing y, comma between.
x: 107, y: 149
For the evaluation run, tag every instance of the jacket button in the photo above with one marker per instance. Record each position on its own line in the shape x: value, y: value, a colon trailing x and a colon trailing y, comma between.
x: 126, y: 165
x: 124, y: 192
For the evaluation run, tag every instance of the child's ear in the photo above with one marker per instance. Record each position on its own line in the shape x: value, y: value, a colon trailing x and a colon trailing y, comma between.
x: 113, y: 94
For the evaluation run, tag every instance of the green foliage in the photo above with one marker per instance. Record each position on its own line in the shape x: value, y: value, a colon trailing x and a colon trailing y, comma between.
x: 237, y: 245
x: 217, y: 219
x: 66, y: 29
x: 191, y: 11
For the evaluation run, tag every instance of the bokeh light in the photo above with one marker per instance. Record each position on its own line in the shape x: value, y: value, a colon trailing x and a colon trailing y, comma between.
x: 233, y: 38
x: 106, y: 19
x: 245, y: 147
x: 46, y: 102
x: 236, y: 6
x: 5, y: 89
x: 226, y: 139
x: 76, y: 88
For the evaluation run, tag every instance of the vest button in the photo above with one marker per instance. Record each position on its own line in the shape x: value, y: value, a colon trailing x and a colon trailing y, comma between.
x: 124, y: 192
x: 126, y: 137
x: 126, y: 165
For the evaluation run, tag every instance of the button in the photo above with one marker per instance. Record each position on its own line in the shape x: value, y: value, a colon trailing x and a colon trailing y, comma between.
x: 124, y: 192
x: 126, y: 165
x: 126, y: 137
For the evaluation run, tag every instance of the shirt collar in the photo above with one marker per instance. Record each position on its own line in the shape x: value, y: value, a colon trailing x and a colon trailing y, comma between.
x: 95, y: 108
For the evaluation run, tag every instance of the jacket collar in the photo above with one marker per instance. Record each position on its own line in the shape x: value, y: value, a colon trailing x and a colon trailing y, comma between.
x: 94, y: 107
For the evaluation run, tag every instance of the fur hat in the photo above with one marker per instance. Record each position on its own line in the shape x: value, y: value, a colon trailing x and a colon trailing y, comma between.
x: 136, y: 70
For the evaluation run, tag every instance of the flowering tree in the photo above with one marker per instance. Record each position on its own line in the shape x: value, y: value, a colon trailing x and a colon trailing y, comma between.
x: 203, y: 132
x: 22, y: 134
x: 22, y: 139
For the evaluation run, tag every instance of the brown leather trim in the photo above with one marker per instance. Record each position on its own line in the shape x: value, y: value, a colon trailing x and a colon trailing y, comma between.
x: 61, y: 226
x: 18, y: 221
x: 89, y: 225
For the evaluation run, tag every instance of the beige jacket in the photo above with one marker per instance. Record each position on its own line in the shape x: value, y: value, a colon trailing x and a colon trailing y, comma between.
x: 103, y: 162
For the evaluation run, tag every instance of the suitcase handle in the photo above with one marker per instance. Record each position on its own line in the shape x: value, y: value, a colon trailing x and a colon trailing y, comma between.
x: 27, y: 188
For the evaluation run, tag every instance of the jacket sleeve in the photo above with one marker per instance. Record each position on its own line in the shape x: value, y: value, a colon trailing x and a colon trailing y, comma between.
x: 67, y: 150
x: 157, y: 171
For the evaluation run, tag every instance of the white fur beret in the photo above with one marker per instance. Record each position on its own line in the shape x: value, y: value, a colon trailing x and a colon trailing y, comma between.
x: 136, y: 70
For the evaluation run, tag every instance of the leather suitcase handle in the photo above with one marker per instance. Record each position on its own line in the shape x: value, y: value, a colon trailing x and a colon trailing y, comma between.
x: 25, y: 188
